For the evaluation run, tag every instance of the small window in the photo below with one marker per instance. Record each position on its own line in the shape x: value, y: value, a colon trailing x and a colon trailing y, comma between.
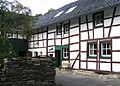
x: 92, y: 50
x: 66, y: 28
x: 65, y: 53
x: 98, y: 19
x: 105, y: 49
x: 59, y: 30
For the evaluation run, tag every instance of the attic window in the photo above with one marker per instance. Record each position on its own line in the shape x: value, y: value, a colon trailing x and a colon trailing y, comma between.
x: 59, y: 13
x: 71, y: 9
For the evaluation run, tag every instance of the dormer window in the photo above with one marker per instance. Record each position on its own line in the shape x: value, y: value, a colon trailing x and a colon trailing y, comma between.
x: 70, y: 9
x: 59, y: 13
x: 98, y: 19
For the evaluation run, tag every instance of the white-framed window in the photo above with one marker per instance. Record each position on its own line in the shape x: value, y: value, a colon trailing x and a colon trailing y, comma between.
x: 66, y: 28
x: 105, y: 49
x: 98, y: 19
x: 65, y: 53
x: 92, y: 49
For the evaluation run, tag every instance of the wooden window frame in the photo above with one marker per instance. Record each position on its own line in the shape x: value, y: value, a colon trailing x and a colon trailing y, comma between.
x: 106, y: 49
x: 88, y: 49
x: 101, y: 20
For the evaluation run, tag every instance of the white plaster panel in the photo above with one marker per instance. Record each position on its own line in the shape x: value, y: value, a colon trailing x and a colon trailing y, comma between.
x: 74, y: 31
x: 98, y: 33
x: 106, y: 32
x: 74, y: 39
x: 83, y: 46
x: 91, y: 34
x: 73, y: 55
x: 51, y: 35
x: 116, y: 20
x: 117, y: 11
x: 116, y: 67
x: 105, y: 66
x: 44, y: 43
x: 58, y: 41
x: 31, y: 44
x: 74, y: 22
x: 71, y: 62
x: 90, y: 24
x: 44, y: 35
x: 35, y: 44
x: 40, y: 43
x: 76, y: 65
x: 50, y: 42
x: 83, y: 56
x: 58, y: 36
x: 115, y: 31
x: 83, y: 27
x: 83, y: 65
x: 116, y: 44
x: 74, y: 47
x: 65, y: 35
x: 51, y: 49
x: 107, y: 22
x: 108, y: 13
x: 65, y: 41
x: 39, y: 36
x: 92, y: 65
x: 116, y: 56
x: 84, y: 35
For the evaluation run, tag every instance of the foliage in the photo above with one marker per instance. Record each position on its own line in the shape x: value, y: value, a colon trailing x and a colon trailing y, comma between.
x: 49, y: 11
x: 14, y: 18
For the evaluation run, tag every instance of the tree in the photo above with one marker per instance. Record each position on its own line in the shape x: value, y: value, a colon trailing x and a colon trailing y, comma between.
x: 14, y: 18
x: 49, y: 11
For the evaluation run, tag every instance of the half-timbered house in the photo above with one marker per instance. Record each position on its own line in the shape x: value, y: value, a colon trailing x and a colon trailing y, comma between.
x: 85, y: 33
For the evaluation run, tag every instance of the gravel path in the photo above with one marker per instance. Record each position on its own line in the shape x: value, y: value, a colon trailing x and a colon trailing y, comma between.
x: 69, y: 79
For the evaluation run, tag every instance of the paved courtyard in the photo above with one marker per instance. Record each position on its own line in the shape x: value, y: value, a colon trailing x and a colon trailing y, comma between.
x: 68, y: 79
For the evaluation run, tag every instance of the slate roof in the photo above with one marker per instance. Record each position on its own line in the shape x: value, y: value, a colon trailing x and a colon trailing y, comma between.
x: 83, y: 7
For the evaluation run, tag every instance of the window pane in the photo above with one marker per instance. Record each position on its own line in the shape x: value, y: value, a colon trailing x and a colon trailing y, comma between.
x: 104, y: 45
x: 104, y: 52
x: 95, y: 52
x: 91, y: 46
x: 91, y: 52
x: 108, y: 45
x: 95, y: 46
x: 108, y: 52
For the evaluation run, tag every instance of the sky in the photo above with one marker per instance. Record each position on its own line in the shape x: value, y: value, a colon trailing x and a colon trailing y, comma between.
x: 42, y: 6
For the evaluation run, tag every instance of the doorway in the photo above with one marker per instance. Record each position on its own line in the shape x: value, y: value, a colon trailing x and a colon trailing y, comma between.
x: 58, y: 57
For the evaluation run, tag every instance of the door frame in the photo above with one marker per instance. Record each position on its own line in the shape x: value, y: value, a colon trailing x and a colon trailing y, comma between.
x: 59, y: 47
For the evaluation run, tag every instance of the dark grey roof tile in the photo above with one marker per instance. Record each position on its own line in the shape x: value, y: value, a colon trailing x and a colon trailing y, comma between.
x: 83, y: 7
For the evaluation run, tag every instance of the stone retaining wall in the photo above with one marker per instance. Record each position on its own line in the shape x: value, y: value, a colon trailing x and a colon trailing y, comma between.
x: 28, y: 72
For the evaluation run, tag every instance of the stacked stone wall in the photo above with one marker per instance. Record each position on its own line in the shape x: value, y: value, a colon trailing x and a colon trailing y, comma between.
x: 28, y: 72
